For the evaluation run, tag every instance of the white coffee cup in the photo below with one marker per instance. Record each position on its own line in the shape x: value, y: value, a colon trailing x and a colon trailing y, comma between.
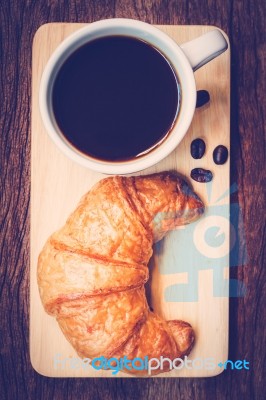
x: 185, y: 59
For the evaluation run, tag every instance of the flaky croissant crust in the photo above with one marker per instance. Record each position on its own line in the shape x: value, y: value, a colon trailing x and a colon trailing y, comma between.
x: 91, y: 273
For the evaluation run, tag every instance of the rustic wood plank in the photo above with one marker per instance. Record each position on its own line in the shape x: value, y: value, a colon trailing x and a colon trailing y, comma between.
x: 244, y: 21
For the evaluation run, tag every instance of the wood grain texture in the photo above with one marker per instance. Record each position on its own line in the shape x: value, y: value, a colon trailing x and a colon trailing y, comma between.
x: 244, y: 22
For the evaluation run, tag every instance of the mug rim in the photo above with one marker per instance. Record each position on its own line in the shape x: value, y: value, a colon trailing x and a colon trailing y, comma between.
x: 152, y: 35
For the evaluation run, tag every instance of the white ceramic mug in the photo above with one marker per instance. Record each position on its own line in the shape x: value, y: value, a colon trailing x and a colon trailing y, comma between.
x: 184, y: 59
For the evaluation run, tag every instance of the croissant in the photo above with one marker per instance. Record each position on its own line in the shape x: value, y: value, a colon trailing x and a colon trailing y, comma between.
x: 91, y: 272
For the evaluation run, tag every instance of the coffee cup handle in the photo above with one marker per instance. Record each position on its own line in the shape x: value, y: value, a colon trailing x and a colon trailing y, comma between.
x: 203, y: 49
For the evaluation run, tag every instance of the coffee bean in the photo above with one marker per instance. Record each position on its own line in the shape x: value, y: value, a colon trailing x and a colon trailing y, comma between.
x: 201, y: 175
x: 197, y: 148
x: 203, y: 97
x: 220, y: 155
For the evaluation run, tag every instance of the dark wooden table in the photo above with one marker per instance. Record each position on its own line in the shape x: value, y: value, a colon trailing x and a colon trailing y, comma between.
x: 244, y: 22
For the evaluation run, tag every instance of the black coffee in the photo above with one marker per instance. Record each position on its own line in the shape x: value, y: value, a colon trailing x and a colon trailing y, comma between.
x: 115, y: 98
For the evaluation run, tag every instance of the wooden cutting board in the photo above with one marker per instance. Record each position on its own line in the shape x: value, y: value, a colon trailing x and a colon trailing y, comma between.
x: 190, y: 268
